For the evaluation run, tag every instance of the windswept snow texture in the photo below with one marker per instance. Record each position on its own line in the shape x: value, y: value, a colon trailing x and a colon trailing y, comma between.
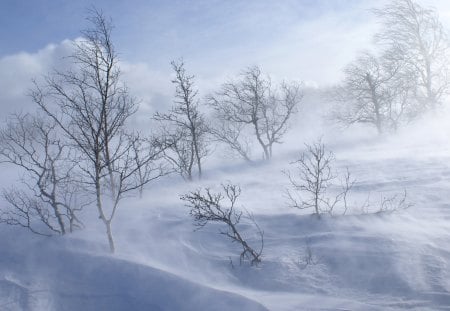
x: 364, y: 260
x: 55, y: 278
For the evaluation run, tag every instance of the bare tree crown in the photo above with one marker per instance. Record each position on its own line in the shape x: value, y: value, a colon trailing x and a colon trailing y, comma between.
x: 415, y: 35
x: 184, y: 129
x: 252, y: 102
x: 375, y: 91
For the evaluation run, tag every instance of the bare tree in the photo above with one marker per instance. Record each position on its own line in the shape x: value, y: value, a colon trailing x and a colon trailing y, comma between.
x: 253, y: 102
x: 374, y: 92
x: 415, y: 35
x: 184, y: 128
x: 91, y: 106
x: 47, y: 202
x: 314, y: 176
x: 208, y: 207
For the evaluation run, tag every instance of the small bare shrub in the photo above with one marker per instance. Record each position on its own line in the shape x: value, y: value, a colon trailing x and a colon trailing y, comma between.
x: 207, y: 206
x: 313, y: 177
x: 387, y: 204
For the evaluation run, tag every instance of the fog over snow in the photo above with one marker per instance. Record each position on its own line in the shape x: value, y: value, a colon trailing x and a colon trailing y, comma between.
x: 381, y: 239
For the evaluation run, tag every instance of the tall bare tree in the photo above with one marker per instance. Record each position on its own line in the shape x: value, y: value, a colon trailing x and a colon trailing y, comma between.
x: 91, y: 105
x: 184, y: 128
x: 415, y: 35
x: 375, y: 92
x: 46, y: 202
x: 253, y: 102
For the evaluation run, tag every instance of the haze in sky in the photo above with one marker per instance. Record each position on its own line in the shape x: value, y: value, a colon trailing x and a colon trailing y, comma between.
x: 307, y: 40
x: 302, y: 40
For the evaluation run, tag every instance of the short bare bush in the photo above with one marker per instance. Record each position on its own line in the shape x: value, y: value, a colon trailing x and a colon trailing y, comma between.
x: 314, y: 175
x: 386, y: 204
x: 207, y: 207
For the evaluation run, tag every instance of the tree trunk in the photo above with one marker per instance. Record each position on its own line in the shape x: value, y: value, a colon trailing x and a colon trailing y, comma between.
x: 197, y: 155
x: 112, y: 246
x: 376, y: 104
x: 258, y: 136
x: 100, y: 206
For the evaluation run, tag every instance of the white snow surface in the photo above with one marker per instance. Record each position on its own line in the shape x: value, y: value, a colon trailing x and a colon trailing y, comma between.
x: 396, y: 260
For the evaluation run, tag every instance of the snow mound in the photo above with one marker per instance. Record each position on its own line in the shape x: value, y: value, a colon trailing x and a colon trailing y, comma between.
x: 365, y: 260
x: 50, y: 277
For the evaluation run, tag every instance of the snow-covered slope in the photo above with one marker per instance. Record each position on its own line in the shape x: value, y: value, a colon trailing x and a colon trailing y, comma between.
x: 360, y: 261
x: 46, y: 275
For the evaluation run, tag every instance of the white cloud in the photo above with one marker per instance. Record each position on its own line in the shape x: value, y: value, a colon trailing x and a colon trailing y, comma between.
x: 151, y: 87
x: 312, y: 47
x: 302, y: 44
x: 17, y: 72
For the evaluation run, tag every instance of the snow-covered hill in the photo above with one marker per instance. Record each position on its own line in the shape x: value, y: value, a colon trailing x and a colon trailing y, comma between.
x: 361, y: 261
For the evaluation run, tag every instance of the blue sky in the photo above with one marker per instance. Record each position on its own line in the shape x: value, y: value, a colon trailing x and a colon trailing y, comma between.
x: 302, y: 40
x: 148, y: 30
x: 28, y: 25
x: 155, y: 31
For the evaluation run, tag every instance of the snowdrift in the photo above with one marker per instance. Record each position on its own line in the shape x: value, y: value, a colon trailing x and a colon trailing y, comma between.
x: 365, y: 260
